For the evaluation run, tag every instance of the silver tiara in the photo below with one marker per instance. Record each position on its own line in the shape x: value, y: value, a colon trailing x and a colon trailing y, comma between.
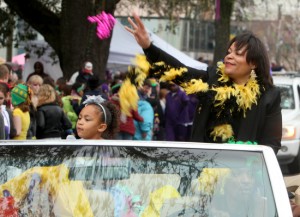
x: 96, y: 100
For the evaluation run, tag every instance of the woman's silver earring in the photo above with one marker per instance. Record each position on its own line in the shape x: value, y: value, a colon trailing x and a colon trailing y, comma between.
x: 253, y: 74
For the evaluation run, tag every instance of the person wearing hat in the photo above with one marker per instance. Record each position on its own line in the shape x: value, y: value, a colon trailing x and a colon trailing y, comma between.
x: 105, y: 89
x: 85, y: 74
x: 20, y: 96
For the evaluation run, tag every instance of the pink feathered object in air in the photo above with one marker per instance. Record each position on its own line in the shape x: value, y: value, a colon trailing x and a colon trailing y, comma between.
x: 105, y: 24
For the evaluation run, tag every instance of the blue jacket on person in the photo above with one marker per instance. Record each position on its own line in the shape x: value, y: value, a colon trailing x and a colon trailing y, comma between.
x: 146, y: 111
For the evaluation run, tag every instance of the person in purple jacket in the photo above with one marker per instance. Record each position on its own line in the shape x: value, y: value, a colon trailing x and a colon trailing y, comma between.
x: 177, y: 116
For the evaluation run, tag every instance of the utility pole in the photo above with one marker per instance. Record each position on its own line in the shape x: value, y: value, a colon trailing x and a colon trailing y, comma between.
x: 279, y: 41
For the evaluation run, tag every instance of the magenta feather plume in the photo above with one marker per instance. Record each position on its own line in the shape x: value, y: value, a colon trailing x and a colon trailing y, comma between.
x: 105, y: 24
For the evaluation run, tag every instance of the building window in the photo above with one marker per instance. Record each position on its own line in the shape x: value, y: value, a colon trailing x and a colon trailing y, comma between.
x: 198, y: 36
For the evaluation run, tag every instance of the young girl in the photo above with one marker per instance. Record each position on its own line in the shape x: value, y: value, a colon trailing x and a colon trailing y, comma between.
x: 99, y: 119
x: 20, y: 96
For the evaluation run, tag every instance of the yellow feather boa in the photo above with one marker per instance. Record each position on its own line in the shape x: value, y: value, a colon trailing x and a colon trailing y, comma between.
x: 141, y: 70
x: 245, y: 95
x: 224, y: 131
x: 172, y: 74
x: 128, y: 93
x: 128, y: 97
x: 195, y: 86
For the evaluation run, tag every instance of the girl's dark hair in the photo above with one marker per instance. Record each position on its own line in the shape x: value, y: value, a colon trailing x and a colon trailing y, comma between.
x: 93, y: 83
x: 112, y: 119
x: 256, y: 54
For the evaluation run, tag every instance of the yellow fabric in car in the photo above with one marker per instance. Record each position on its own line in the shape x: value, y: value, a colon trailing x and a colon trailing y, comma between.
x: 157, y: 199
x: 51, y: 176
x: 55, y: 179
x: 212, y: 178
x: 71, y: 200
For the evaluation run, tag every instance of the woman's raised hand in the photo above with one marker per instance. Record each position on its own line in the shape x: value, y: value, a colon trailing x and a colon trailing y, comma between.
x: 139, y: 32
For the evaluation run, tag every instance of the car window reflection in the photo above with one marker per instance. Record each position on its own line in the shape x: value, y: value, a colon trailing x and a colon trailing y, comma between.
x: 135, y: 181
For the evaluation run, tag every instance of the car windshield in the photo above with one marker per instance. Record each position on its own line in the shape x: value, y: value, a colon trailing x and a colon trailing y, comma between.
x: 287, y: 96
x: 135, y: 181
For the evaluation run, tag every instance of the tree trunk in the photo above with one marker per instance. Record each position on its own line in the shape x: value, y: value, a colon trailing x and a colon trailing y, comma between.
x: 79, y: 42
x: 222, y: 29
x: 9, y: 45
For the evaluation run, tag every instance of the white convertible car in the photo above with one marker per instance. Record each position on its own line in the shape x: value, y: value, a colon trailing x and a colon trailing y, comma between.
x: 132, y: 178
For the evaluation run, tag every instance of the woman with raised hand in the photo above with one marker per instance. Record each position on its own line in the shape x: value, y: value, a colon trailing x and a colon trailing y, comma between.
x: 238, y: 102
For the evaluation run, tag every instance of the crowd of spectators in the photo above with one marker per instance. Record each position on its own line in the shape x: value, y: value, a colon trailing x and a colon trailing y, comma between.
x: 39, y: 107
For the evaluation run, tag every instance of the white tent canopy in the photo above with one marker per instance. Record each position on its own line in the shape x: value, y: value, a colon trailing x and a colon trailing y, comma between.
x: 123, y: 49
